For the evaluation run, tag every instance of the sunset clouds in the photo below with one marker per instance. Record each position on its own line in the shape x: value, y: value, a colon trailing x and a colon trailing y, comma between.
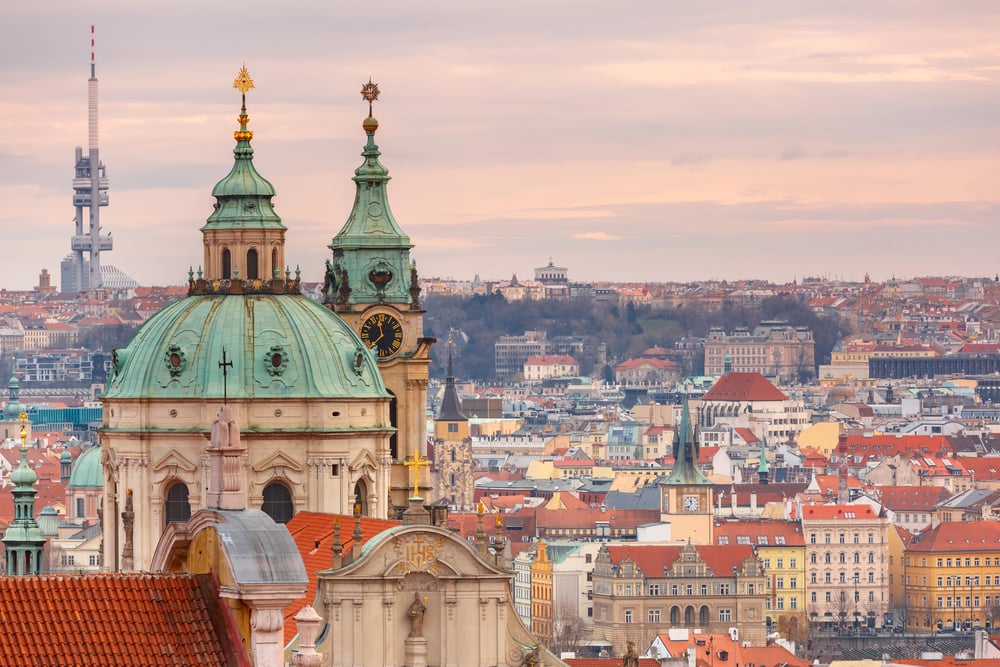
x: 626, y: 140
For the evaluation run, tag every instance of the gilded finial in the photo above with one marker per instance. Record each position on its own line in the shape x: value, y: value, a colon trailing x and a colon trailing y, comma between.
x: 369, y: 92
x: 243, y: 83
x: 24, y: 429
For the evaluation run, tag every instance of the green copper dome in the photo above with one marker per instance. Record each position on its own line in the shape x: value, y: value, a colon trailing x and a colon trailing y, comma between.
x: 274, y: 342
x: 280, y: 346
x: 243, y: 197
x: 87, y: 471
x: 23, y: 475
x: 12, y: 411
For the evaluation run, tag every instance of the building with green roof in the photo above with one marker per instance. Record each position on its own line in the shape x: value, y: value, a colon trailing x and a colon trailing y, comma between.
x: 306, y: 391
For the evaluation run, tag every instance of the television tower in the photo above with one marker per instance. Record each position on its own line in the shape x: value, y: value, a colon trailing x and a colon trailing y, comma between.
x: 90, y: 193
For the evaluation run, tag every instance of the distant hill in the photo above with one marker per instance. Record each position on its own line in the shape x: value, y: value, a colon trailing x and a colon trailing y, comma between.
x: 626, y: 330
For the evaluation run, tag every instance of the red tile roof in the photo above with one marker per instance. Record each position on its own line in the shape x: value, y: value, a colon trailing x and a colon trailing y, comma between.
x: 313, y: 535
x: 950, y: 536
x: 145, y: 620
x: 838, y: 512
x: 912, y: 498
x: 607, y: 662
x: 789, y: 532
x: 652, y: 558
x: 762, y: 656
x: 744, y: 387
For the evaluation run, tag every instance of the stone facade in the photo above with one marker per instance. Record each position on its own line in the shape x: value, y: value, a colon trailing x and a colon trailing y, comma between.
x: 640, y: 589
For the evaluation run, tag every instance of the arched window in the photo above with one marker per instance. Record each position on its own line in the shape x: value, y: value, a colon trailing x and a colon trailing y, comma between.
x: 177, y: 507
x: 252, y: 270
x: 360, y: 499
x: 689, y: 616
x: 227, y: 264
x: 393, y: 421
x: 828, y: 557
x: 703, y: 616
x: 675, y: 616
x: 80, y: 508
x: 275, y: 269
x: 277, y: 502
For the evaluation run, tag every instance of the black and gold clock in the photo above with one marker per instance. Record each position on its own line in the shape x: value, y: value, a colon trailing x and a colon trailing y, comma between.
x: 383, y: 333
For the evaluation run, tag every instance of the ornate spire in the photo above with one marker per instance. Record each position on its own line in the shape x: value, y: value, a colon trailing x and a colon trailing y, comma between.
x: 24, y: 539
x: 371, y: 252
x: 763, y: 471
x: 243, y: 206
x: 685, y: 472
x: 451, y: 408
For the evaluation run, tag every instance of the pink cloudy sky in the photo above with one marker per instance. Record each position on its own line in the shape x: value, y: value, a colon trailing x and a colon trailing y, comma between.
x: 642, y: 141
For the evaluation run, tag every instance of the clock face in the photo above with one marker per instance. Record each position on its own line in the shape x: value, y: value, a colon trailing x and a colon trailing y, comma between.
x: 691, y: 504
x: 383, y: 333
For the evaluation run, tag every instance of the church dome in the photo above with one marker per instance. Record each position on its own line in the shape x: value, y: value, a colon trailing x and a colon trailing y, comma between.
x: 244, y: 331
x: 87, y: 471
x: 12, y: 411
x: 280, y: 346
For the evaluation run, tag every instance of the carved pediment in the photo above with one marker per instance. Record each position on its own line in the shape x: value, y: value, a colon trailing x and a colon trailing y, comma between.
x: 278, y: 460
x: 425, y: 551
x: 363, y: 460
x: 174, y: 462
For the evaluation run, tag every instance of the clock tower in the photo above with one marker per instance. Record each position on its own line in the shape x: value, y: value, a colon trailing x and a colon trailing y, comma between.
x: 371, y: 283
x: 686, y: 495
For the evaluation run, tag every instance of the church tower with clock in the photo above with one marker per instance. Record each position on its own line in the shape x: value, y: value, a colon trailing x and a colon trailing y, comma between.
x: 371, y: 283
x: 686, y: 495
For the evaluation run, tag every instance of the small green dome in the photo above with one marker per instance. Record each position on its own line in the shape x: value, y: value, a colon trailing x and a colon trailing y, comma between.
x: 23, y: 475
x: 66, y: 457
x: 12, y: 411
x: 87, y: 471
x: 280, y: 346
x: 48, y: 521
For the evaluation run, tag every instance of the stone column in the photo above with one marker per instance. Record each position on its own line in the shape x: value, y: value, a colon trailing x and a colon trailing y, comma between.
x: 267, y: 635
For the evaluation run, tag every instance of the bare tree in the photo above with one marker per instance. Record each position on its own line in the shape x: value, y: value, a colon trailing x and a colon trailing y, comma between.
x: 568, y: 634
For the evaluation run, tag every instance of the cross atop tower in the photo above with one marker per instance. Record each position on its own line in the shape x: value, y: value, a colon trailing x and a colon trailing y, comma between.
x: 416, y: 462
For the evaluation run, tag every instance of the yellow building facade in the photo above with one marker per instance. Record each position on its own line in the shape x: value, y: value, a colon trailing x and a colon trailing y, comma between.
x: 952, y: 577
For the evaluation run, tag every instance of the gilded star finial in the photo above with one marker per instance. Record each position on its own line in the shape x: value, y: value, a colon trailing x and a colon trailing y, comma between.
x: 243, y: 82
x: 369, y: 92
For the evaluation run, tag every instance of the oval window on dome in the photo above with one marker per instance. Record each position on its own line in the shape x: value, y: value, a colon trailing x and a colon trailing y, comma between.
x: 276, y: 360
x: 175, y: 360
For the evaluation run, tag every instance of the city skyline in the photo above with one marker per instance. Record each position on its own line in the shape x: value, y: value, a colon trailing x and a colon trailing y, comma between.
x: 627, y: 141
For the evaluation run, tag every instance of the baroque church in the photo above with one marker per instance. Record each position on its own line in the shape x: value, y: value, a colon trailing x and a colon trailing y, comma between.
x: 330, y: 397
x: 245, y: 406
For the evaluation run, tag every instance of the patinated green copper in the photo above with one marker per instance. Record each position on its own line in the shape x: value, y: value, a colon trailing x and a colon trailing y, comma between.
x: 685, y: 472
x: 371, y: 254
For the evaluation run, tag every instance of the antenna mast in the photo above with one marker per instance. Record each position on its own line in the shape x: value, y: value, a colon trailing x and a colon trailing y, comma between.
x: 90, y: 193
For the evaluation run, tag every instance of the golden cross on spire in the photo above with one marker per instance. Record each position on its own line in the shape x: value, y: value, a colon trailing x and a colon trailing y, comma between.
x: 369, y: 92
x: 416, y: 462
